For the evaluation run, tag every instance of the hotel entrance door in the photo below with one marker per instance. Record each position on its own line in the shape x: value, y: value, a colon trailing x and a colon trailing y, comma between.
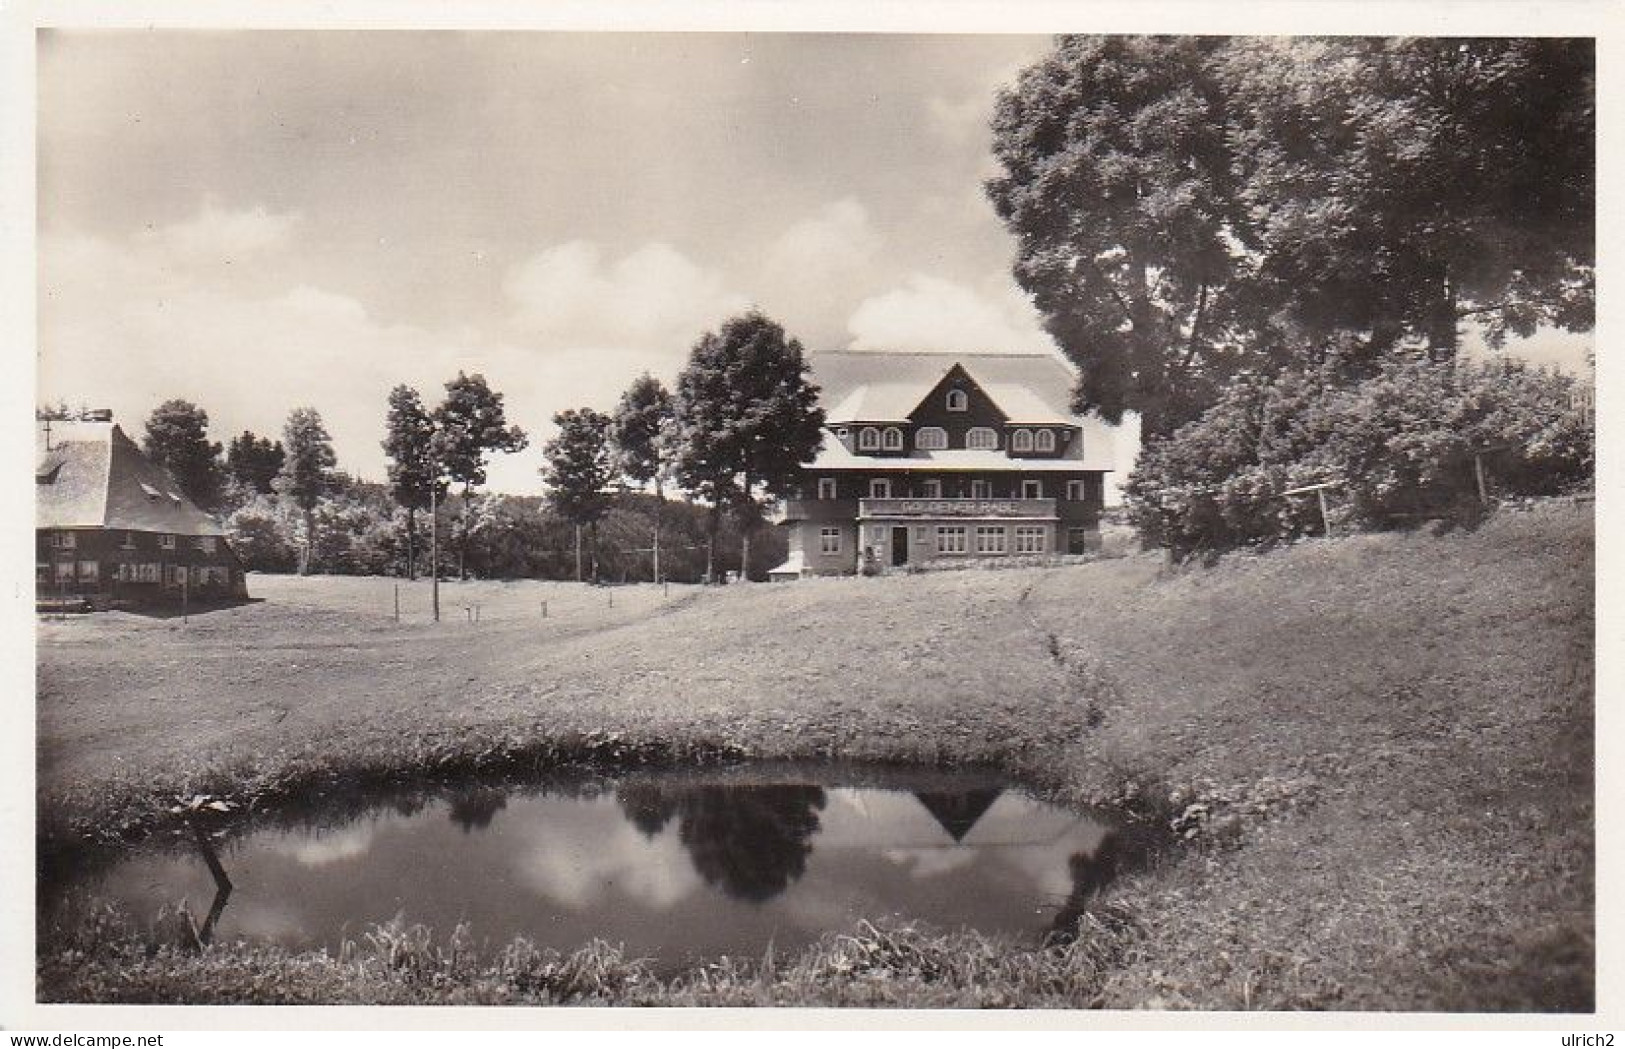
x: 899, y: 546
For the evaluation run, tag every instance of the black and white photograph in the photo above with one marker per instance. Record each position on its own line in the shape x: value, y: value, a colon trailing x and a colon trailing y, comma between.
x: 730, y: 519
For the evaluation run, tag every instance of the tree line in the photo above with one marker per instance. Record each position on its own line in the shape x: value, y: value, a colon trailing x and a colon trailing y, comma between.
x: 742, y: 419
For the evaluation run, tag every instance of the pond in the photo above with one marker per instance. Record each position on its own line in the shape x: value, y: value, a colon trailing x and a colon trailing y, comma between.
x: 679, y: 868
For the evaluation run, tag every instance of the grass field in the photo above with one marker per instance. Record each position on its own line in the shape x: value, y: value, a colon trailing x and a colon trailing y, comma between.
x: 1378, y: 750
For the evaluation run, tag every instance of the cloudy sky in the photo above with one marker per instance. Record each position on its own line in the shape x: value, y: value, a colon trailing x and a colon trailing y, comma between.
x: 262, y: 220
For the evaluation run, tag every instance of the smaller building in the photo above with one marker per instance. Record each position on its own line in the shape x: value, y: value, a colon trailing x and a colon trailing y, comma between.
x: 111, y: 526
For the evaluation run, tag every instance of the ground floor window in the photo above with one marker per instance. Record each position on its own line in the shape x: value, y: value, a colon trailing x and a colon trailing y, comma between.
x: 990, y: 539
x: 880, y: 488
x: 950, y: 539
x: 90, y: 571
x: 176, y: 575
x: 64, y: 571
x: 829, y: 540
x: 1029, y: 539
x: 1032, y: 489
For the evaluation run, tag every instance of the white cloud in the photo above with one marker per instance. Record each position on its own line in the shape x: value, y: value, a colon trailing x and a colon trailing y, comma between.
x: 128, y: 324
x: 216, y: 235
x: 575, y: 862
x: 651, y: 295
x: 324, y: 848
x: 819, y: 268
x: 932, y: 314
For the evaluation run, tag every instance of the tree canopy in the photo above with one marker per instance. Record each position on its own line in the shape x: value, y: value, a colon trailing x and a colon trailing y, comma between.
x: 746, y: 418
x: 471, y: 425
x: 747, y: 415
x: 640, y: 429
x: 177, y: 438
x: 578, y: 468
x: 1191, y: 209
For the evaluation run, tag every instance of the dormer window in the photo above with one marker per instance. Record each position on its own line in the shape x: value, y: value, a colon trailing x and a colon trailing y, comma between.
x: 958, y: 401
x: 931, y: 438
x: 1045, y: 441
x: 982, y: 437
x: 868, y: 439
x: 1021, y: 441
x: 892, y: 439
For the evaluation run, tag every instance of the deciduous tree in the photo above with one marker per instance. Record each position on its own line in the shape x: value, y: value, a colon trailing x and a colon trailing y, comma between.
x: 413, y: 474
x: 578, y: 472
x: 640, y: 438
x: 470, y: 425
x: 177, y: 438
x: 747, y: 417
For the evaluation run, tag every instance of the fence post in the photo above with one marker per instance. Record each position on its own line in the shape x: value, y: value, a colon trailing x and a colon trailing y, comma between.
x: 544, y: 608
x: 397, y: 602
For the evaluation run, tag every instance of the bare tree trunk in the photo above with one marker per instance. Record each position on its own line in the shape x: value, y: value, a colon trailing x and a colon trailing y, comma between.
x: 310, y: 540
x: 462, y: 539
x: 713, y: 524
x: 578, y: 553
x: 411, y: 544
x: 660, y: 509
x: 593, y: 536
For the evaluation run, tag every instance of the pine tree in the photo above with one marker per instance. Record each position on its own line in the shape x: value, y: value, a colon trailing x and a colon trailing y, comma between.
x: 307, y: 472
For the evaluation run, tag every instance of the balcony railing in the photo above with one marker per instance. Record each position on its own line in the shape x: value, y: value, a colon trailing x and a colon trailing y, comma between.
x: 922, y: 507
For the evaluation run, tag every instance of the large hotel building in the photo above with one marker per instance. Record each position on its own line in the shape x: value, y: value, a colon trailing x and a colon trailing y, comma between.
x: 930, y: 456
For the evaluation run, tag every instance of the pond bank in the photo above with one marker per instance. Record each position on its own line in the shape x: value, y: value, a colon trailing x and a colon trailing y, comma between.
x: 1381, y: 747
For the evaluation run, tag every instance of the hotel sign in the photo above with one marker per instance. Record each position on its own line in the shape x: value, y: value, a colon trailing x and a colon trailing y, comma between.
x: 958, y: 507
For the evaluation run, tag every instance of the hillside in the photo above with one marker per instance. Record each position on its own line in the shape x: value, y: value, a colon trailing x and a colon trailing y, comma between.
x: 1388, y: 738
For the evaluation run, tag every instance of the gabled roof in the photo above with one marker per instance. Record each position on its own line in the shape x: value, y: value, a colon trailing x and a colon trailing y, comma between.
x: 875, y: 386
x: 93, y: 476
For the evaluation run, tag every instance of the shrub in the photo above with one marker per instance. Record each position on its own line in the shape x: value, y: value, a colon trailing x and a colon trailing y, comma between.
x: 1402, y: 441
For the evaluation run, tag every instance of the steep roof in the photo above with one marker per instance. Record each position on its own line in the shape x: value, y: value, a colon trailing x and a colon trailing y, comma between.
x: 93, y: 476
x: 876, y: 386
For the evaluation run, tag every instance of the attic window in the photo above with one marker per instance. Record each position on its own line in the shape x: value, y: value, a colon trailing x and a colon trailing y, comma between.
x: 931, y: 438
x: 868, y: 439
x: 1021, y: 441
x: 152, y: 493
x: 892, y: 439
x: 1046, y: 441
x: 958, y: 401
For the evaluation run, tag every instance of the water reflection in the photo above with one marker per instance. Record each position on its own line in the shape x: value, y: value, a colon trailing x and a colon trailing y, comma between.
x: 749, y: 841
x: 474, y: 810
x: 676, y: 868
